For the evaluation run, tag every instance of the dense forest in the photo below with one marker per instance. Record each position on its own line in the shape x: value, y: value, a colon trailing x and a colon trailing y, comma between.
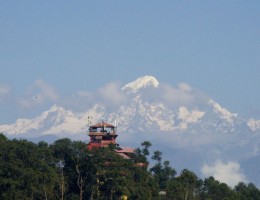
x: 66, y: 170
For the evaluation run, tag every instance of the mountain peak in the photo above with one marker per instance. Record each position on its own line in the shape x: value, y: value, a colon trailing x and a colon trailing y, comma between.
x: 224, y: 113
x: 141, y: 82
x: 56, y: 108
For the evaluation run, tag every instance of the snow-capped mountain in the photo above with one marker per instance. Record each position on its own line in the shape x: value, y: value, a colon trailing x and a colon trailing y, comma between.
x: 142, y: 82
x: 57, y: 120
x: 179, y: 120
x: 138, y: 114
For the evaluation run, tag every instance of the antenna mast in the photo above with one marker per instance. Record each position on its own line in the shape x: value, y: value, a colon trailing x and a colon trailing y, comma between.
x: 89, y: 122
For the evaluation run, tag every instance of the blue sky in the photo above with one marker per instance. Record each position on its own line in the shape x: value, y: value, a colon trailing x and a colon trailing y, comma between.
x: 71, y: 46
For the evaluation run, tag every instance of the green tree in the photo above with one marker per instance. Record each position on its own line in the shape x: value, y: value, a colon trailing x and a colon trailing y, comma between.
x: 146, y: 145
x: 247, y: 191
x: 67, y: 170
x: 213, y: 189
x: 185, y: 187
x: 114, y: 176
x: 174, y: 190
x: 71, y: 162
x: 80, y: 164
x: 25, y: 171
x: 157, y: 156
x: 141, y: 155
x: 162, y: 173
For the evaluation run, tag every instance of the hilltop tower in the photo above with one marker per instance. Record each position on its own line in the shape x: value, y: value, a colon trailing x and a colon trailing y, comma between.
x: 102, y: 135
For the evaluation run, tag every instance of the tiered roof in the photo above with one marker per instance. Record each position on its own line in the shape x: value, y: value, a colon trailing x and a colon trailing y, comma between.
x: 103, y: 134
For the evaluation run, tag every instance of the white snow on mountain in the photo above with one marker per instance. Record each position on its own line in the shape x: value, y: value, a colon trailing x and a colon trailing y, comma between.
x: 19, y: 127
x: 141, y: 82
x: 222, y: 112
x: 63, y: 121
x: 254, y: 124
x: 57, y: 121
x: 198, y: 128
x: 139, y: 115
x: 136, y: 115
x: 188, y: 117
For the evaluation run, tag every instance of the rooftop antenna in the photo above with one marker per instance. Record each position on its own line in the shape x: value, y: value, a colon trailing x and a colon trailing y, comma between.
x: 115, y: 124
x: 89, y: 121
x: 88, y: 124
x: 102, y: 124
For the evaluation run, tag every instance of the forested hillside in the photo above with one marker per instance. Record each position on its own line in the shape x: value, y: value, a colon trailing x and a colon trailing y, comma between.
x: 67, y: 170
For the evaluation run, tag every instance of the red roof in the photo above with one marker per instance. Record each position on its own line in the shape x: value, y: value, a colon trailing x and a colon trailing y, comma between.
x: 125, y: 150
x: 123, y: 155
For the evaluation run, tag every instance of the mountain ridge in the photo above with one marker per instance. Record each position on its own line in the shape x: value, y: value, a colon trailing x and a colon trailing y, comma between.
x: 205, y: 130
x: 158, y: 114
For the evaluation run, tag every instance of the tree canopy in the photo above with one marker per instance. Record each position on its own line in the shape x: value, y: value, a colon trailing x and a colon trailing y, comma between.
x: 66, y: 170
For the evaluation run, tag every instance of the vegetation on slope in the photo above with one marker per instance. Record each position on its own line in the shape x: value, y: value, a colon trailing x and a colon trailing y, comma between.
x: 67, y: 170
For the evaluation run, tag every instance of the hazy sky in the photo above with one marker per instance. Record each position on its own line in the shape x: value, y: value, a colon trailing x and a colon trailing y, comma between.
x: 69, y: 46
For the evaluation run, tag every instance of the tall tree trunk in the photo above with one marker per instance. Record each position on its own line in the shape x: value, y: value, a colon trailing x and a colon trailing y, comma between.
x: 45, y: 194
x: 45, y: 191
x: 186, y: 195
x: 62, y: 186
x: 80, y: 183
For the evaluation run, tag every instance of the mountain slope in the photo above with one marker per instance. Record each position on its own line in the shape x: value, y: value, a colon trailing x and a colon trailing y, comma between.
x: 181, y: 122
x: 141, y: 114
